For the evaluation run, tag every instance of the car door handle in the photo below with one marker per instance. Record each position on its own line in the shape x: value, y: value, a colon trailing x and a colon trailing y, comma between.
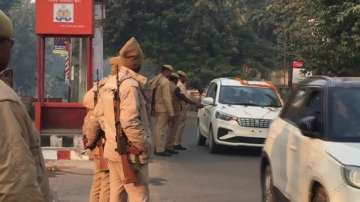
x: 293, y: 148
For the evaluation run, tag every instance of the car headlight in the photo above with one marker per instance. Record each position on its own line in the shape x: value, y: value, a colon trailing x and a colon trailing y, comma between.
x: 352, y: 175
x: 225, y: 117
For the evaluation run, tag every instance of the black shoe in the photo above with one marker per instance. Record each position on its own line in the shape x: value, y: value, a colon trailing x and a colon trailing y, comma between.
x: 164, y: 153
x: 179, y: 147
x: 170, y: 151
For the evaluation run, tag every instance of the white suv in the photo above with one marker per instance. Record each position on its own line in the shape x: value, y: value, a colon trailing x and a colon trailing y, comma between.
x: 237, y: 113
x: 312, y: 153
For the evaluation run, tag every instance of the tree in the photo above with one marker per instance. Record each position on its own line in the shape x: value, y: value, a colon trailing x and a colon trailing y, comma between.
x: 325, y: 34
x: 24, y: 55
x: 6, y: 5
x: 207, y: 39
x: 339, y: 29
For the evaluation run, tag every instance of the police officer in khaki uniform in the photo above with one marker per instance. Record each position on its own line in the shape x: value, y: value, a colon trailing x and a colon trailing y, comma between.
x: 134, y: 122
x: 94, y: 143
x: 162, y: 109
x: 186, y: 99
x: 23, y: 176
x: 180, y: 103
x: 174, y: 78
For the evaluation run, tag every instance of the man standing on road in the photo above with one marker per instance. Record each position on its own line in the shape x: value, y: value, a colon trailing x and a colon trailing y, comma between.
x: 182, y: 93
x: 174, y: 78
x: 134, y: 123
x: 94, y: 141
x: 162, y: 109
x: 23, y: 176
x: 178, y: 98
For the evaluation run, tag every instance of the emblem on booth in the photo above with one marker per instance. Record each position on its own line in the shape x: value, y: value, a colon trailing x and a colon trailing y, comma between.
x: 64, y: 13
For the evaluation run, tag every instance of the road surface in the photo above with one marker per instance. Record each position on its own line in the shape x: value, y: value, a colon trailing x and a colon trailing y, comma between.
x: 194, y: 175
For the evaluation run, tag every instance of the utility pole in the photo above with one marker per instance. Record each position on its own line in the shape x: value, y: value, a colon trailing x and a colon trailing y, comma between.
x: 287, y: 75
x: 289, y: 64
x: 284, y: 60
x: 287, y: 67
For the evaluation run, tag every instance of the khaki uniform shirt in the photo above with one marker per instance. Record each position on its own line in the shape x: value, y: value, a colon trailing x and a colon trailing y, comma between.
x: 163, y: 97
x: 134, y: 116
x: 183, y: 90
x: 176, y: 102
x: 23, y: 175
x: 91, y: 126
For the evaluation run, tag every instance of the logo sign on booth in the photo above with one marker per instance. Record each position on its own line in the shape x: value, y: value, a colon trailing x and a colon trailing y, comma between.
x: 64, y: 17
x: 63, y: 13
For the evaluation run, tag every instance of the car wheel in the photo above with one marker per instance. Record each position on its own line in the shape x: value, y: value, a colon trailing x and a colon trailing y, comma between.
x: 200, y: 139
x: 213, y: 147
x: 320, y: 195
x: 268, y: 192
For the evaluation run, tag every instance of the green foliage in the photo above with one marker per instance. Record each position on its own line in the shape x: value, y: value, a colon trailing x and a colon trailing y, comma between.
x: 325, y: 34
x: 206, y: 38
x: 6, y: 5
x: 24, y: 52
x: 212, y: 38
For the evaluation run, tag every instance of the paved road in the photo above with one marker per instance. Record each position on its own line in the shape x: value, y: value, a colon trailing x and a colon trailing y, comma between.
x: 192, y: 176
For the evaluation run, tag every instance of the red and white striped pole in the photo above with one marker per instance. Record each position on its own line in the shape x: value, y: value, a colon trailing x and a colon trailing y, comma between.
x: 67, y: 70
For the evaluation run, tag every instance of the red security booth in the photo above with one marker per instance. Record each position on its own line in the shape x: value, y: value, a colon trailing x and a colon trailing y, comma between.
x: 64, y: 31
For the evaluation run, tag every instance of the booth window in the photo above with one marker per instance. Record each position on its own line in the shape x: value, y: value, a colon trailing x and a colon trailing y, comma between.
x: 65, y: 69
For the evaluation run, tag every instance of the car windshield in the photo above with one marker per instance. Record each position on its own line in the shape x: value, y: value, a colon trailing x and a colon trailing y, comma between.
x: 344, y: 113
x: 249, y: 96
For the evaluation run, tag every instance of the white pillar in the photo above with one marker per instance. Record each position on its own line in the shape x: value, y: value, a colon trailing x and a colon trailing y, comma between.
x: 98, y: 40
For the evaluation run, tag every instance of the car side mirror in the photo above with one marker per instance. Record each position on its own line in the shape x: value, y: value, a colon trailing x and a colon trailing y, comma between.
x: 208, y: 101
x: 309, y: 126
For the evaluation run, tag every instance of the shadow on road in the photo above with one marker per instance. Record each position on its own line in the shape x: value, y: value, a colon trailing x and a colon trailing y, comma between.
x: 158, y: 181
x: 58, y: 172
x: 236, y: 151
x: 241, y: 151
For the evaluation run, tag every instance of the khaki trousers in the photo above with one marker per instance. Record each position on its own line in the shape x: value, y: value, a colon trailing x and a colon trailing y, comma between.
x: 171, y: 135
x: 180, y: 127
x: 100, y: 188
x: 161, y: 130
x: 138, y: 192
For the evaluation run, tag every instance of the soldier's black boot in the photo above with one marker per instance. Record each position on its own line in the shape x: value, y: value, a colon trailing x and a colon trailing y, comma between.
x: 179, y: 147
x: 170, y: 151
x: 164, y: 153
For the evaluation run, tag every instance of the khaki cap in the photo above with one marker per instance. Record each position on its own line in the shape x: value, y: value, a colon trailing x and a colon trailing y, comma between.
x: 6, y: 27
x: 181, y: 73
x: 130, y: 55
x: 169, y: 67
x: 175, y: 75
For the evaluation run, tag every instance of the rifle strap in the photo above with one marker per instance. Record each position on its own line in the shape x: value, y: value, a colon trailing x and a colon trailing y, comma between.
x: 120, y: 82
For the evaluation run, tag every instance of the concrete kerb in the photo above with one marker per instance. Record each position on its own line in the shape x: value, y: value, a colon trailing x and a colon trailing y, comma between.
x: 58, y: 148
